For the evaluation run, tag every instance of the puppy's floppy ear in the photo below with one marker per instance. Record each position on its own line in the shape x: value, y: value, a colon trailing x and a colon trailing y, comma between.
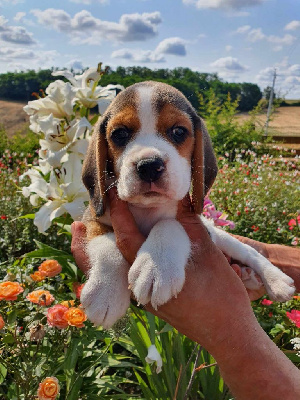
x: 94, y: 168
x: 204, y: 164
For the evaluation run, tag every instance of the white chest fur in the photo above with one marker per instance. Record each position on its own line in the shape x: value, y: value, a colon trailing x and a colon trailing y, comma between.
x: 146, y: 218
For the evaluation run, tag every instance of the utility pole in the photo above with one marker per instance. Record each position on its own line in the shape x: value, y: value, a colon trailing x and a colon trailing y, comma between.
x: 270, y: 104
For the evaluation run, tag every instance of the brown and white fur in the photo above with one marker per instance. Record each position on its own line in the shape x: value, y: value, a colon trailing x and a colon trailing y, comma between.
x: 153, y: 146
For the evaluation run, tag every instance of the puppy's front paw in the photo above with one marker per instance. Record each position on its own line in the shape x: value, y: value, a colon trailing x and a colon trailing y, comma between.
x: 279, y: 286
x: 103, y: 304
x: 155, y: 281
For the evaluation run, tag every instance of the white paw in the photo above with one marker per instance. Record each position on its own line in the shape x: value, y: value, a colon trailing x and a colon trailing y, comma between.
x: 155, y: 282
x: 279, y: 286
x: 104, y: 303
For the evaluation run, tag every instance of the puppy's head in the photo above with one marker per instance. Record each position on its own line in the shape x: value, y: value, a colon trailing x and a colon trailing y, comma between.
x: 153, y: 142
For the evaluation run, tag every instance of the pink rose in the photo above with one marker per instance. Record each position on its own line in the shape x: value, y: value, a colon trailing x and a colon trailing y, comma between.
x: 55, y: 316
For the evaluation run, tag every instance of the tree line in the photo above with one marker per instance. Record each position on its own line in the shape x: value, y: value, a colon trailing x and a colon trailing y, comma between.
x: 21, y: 86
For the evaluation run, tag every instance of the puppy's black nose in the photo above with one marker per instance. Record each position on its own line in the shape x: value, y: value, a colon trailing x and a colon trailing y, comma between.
x: 150, y: 169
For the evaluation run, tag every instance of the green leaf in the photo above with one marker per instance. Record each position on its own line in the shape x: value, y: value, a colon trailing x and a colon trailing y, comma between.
x: 8, y: 338
x: 12, y: 316
x: 94, y: 119
x: 292, y: 355
x: 146, y: 391
x: 27, y: 216
x: 166, y: 328
x: 3, y: 373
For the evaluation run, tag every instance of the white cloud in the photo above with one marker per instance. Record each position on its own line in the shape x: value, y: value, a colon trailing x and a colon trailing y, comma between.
x: 17, y: 35
x: 292, y: 26
x: 142, y: 56
x: 288, y: 77
x: 11, y: 2
x: 255, y: 35
x: 227, y: 4
x: 9, y: 54
x: 229, y: 64
x: 14, y: 34
x: 173, y: 45
x: 85, y: 28
x: 243, y: 29
x: 19, y: 16
x: 228, y: 48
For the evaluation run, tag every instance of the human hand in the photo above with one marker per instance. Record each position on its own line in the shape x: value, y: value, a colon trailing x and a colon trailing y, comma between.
x: 207, y: 284
x: 129, y: 240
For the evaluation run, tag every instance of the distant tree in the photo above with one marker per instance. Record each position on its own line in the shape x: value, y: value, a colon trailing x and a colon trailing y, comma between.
x: 249, y: 96
x: 267, y: 93
x: 21, y: 85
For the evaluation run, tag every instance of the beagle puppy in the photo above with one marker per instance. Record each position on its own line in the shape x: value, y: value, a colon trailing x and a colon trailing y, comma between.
x: 154, y: 148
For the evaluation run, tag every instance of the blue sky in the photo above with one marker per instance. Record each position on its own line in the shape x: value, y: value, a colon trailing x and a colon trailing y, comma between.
x: 241, y: 40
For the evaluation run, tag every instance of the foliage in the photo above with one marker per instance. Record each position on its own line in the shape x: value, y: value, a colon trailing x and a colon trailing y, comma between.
x: 28, y: 143
x: 260, y: 194
x: 23, y: 86
x: 18, y: 233
x: 228, y: 134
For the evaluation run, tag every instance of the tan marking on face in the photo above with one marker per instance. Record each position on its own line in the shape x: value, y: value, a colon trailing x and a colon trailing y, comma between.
x: 170, y: 116
x: 127, y: 117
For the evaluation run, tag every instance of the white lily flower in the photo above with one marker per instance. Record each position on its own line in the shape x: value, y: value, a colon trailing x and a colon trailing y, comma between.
x: 38, y: 189
x: 154, y: 356
x: 61, y: 138
x: 65, y: 192
x: 87, y: 91
x: 59, y: 103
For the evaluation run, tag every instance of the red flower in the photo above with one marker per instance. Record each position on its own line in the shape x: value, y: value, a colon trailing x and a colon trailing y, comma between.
x: 255, y: 228
x: 3, y: 217
x: 266, y: 302
x: 77, y: 288
x: 292, y: 223
x: 294, y: 316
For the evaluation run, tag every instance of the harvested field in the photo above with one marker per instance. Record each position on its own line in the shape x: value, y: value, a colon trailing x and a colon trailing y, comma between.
x: 284, y: 122
x: 13, y: 117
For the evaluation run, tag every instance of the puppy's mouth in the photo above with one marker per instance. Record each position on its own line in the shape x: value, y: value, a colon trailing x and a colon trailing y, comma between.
x: 153, y: 191
x: 152, y: 194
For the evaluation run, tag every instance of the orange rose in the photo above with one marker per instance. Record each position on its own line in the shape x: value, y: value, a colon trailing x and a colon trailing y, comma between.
x: 38, y: 276
x: 10, y: 290
x: 48, y: 389
x: 41, y: 297
x: 56, y: 316
x: 50, y: 268
x: 75, y: 317
x: 68, y: 303
x: 2, y: 323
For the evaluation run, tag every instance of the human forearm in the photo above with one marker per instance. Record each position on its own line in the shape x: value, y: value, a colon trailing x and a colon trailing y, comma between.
x: 254, y: 368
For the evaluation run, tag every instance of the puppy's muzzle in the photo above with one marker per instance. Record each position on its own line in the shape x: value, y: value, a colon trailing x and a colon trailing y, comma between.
x: 150, y: 169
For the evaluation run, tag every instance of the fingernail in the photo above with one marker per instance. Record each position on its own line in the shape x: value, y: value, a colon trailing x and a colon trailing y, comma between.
x: 73, y: 227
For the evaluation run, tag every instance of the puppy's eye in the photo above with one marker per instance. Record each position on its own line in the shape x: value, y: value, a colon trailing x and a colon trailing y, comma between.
x: 177, y: 134
x: 121, y: 136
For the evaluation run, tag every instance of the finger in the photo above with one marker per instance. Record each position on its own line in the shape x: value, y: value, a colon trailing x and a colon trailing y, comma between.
x: 128, y: 237
x: 185, y: 207
x: 78, y: 246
